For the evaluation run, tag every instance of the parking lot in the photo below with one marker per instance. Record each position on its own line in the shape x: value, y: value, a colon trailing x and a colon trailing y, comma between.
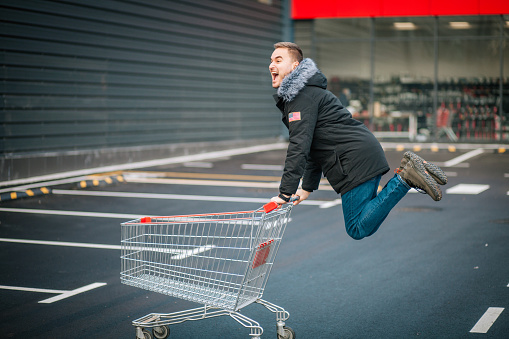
x: 433, y: 270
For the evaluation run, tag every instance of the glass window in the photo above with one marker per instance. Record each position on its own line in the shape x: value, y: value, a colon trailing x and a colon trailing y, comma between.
x: 466, y: 53
x: 342, y: 28
x: 347, y: 68
x: 404, y: 75
x: 465, y: 26
x: 341, y: 50
x: 459, y: 58
x: 503, y: 119
x: 404, y: 27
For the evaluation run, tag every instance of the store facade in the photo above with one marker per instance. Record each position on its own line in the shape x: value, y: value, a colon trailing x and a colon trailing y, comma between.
x: 436, y: 73
x: 97, y: 83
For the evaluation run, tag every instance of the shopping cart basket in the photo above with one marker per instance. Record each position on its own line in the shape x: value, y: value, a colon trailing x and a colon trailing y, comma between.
x: 219, y: 260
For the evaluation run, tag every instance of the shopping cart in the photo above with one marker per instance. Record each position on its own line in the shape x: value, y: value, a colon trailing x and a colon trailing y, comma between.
x: 219, y: 260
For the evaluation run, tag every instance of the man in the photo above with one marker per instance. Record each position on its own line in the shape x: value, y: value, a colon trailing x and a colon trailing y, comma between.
x: 324, y: 138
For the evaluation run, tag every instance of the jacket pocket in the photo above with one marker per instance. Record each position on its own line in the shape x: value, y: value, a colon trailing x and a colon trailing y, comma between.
x: 333, y: 169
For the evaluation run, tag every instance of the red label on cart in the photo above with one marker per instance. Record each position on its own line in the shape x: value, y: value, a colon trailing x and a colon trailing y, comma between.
x: 262, y: 253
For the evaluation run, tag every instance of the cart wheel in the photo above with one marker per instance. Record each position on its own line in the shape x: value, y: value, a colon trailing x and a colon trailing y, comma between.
x: 161, y: 332
x: 146, y: 334
x: 289, y: 333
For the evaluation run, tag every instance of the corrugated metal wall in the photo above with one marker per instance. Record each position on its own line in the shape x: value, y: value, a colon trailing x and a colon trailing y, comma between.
x: 103, y: 73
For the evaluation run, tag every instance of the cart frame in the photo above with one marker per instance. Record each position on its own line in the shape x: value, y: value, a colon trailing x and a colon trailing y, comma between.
x: 220, y: 260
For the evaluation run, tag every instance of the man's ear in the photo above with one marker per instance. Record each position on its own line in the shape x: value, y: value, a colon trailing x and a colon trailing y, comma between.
x: 295, y: 64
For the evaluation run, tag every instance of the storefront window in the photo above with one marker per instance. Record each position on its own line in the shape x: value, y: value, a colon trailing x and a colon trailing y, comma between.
x: 342, y: 28
x: 468, y: 26
x: 346, y: 66
x: 468, y: 78
x: 422, y: 78
x: 341, y: 49
x: 502, y: 121
x: 401, y: 28
x: 404, y: 69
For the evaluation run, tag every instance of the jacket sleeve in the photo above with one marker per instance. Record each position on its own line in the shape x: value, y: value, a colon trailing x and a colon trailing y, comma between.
x: 312, y: 176
x: 301, y: 125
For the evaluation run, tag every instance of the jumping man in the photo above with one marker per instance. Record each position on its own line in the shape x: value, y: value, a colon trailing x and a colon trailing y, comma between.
x: 324, y: 138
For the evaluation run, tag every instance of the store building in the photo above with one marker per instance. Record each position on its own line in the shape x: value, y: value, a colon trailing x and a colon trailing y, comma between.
x: 424, y: 70
x: 104, y: 82
x: 86, y: 84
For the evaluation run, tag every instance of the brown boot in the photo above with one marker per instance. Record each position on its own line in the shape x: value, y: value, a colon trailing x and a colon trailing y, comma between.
x: 433, y: 170
x: 413, y: 171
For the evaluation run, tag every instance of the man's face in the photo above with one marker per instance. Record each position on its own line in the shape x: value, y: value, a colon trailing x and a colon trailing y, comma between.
x: 281, y: 64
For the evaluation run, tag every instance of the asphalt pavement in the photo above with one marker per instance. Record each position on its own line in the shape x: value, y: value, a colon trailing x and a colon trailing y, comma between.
x: 433, y: 270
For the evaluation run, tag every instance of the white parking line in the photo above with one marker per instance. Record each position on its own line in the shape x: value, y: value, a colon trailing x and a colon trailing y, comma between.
x: 187, y: 253
x: 259, y: 167
x: 467, y: 189
x: 30, y: 289
x: 71, y: 293
x: 461, y: 158
x: 179, y: 253
x: 489, y: 317
x: 174, y: 197
x: 331, y: 203
x: 74, y: 213
x: 60, y: 243
x: 135, y: 195
x: 197, y: 164
x: 61, y: 294
x: 216, y: 183
x: 220, y: 183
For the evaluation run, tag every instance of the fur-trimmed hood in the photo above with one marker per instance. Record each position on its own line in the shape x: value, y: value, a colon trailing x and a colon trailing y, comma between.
x: 306, y: 73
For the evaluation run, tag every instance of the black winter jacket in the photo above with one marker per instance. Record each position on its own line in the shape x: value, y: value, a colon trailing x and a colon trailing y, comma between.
x: 324, y: 138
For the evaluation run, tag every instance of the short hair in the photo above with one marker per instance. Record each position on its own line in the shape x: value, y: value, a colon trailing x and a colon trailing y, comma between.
x: 293, y: 49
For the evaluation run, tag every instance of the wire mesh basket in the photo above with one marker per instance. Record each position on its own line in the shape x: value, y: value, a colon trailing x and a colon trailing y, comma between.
x: 221, y: 260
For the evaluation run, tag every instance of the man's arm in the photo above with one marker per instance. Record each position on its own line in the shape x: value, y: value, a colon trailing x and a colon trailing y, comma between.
x: 302, y: 121
x: 310, y: 182
x: 312, y: 176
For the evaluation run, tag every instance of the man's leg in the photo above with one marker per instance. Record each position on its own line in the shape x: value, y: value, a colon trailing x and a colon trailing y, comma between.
x: 364, y: 210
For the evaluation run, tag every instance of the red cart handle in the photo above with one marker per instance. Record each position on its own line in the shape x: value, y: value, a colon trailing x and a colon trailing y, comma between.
x: 273, y: 205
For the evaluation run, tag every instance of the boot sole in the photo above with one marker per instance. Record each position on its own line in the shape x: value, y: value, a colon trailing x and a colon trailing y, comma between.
x: 418, y: 163
x: 434, y: 171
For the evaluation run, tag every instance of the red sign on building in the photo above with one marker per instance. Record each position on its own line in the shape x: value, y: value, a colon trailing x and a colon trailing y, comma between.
x: 307, y: 9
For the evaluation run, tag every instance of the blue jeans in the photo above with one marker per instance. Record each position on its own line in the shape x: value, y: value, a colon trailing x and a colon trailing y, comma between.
x: 364, y: 210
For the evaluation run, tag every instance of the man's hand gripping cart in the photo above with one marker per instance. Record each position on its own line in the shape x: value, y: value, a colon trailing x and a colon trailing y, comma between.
x: 220, y: 260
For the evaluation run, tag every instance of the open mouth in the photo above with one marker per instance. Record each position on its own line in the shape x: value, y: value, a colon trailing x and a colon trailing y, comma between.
x: 274, y: 76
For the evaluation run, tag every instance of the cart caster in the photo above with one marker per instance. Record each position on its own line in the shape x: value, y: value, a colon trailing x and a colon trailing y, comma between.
x: 288, y: 333
x: 145, y: 334
x: 161, y: 332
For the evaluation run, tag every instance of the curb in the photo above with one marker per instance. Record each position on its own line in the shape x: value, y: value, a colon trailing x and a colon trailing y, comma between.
x: 400, y: 147
x: 14, y: 195
x: 24, y: 194
x: 103, y: 182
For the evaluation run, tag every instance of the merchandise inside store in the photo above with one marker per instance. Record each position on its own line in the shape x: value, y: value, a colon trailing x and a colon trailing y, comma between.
x: 440, y: 78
